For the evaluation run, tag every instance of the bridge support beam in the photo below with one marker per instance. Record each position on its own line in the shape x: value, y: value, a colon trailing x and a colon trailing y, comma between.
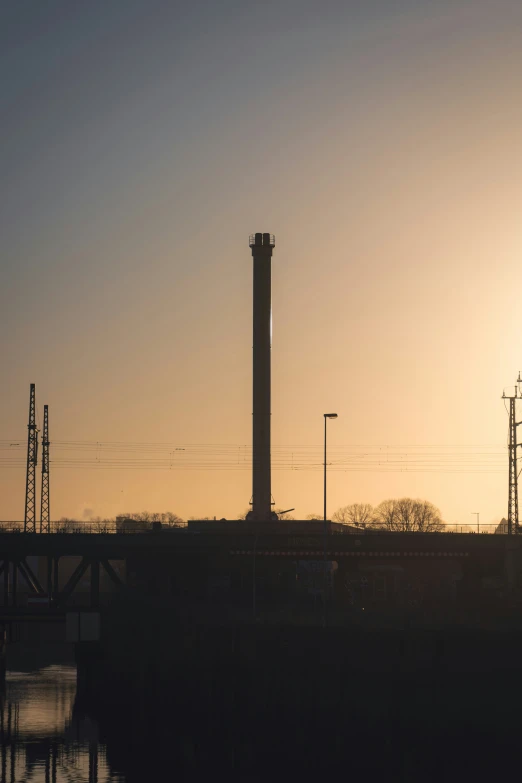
x: 50, y: 578
x: 10, y: 566
x: 10, y: 569
x: 14, y: 591
x: 112, y: 573
x: 56, y: 584
x: 30, y: 577
x: 6, y: 582
x: 61, y: 597
x: 95, y: 583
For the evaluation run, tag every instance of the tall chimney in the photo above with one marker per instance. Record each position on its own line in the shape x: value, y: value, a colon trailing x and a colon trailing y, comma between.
x: 262, y: 246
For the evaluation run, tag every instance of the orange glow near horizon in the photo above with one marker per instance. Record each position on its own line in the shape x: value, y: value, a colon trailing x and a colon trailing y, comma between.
x: 382, y: 150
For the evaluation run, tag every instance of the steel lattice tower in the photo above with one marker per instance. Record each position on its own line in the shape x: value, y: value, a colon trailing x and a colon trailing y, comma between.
x: 513, y: 478
x: 32, y: 460
x: 45, y: 514
x: 512, y: 517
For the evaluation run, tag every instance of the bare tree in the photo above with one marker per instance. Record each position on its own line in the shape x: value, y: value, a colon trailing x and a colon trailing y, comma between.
x: 171, y: 520
x: 314, y: 517
x: 100, y: 525
x: 357, y: 514
x: 407, y: 514
x: 68, y: 525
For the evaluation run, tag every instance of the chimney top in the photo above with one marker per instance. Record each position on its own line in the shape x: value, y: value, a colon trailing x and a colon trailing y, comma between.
x: 261, y: 240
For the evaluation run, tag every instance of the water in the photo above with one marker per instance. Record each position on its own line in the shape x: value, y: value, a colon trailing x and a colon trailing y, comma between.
x: 53, y: 733
x: 44, y: 739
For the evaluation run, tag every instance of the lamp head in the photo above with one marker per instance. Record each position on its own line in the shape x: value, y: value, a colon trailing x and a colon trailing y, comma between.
x: 330, y: 415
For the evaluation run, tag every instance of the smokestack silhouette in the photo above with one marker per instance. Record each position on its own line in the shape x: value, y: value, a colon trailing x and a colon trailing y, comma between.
x: 262, y: 246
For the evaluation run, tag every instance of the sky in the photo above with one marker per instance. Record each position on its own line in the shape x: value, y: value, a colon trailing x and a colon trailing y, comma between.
x: 142, y: 141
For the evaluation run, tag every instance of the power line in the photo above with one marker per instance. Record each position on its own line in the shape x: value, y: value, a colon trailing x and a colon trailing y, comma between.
x: 176, y: 456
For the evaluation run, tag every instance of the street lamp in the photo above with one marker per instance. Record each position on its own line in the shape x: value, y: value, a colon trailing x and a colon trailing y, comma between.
x: 326, y: 416
x: 477, y: 514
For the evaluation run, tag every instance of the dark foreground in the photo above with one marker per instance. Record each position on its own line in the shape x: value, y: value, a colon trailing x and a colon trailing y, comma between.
x: 266, y: 704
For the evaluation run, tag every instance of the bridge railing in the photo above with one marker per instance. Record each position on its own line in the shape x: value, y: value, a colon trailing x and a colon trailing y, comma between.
x: 455, y: 527
x: 110, y: 527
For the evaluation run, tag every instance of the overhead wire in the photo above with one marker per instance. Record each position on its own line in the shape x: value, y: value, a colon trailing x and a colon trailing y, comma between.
x: 135, y: 455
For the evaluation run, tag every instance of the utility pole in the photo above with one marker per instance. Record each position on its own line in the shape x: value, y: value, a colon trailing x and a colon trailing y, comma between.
x: 45, y: 514
x: 512, y: 518
x: 32, y: 460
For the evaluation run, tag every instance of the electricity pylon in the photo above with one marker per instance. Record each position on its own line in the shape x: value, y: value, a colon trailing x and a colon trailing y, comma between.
x: 512, y: 518
x: 32, y: 460
x: 45, y: 514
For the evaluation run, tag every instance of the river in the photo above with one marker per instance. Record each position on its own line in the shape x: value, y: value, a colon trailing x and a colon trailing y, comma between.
x: 389, y: 727
x: 43, y: 738
x: 51, y: 732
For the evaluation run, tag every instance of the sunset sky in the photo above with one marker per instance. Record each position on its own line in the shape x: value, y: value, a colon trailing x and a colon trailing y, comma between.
x: 141, y: 141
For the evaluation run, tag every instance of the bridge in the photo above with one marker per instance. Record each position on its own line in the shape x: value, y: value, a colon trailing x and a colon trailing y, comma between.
x: 202, y: 555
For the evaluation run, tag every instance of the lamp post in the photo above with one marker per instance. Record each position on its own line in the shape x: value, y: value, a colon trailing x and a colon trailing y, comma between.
x: 477, y: 514
x: 326, y: 416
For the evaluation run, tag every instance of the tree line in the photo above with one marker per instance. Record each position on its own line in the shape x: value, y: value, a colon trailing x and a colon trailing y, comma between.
x: 403, y: 514
x: 143, y: 520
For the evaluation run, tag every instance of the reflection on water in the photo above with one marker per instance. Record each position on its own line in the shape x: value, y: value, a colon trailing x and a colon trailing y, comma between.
x: 41, y: 701
x: 42, y: 738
